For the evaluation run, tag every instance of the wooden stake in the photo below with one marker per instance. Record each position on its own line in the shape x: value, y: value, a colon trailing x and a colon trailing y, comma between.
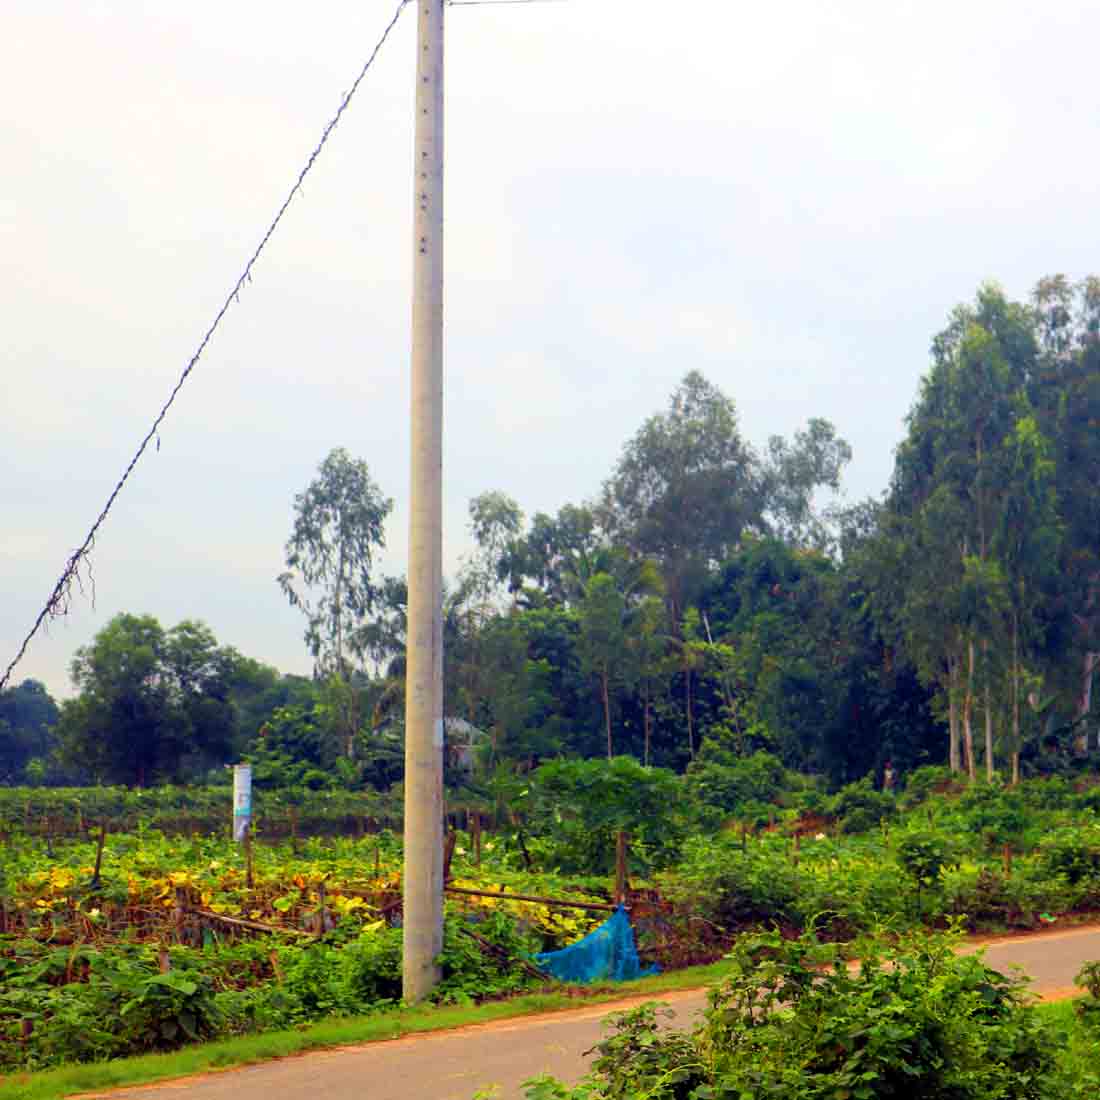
x: 95, y: 883
x: 602, y: 906
x: 179, y: 912
x: 621, y: 884
x: 248, y: 876
x: 448, y: 852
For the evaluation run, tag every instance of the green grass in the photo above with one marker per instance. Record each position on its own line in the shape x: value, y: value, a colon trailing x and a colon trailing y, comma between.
x: 250, y: 1049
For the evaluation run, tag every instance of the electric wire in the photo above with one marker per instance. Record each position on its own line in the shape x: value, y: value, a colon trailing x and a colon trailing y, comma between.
x: 57, y: 606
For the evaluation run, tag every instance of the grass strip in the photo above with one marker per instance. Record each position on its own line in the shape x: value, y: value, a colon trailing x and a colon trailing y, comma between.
x: 391, y: 1024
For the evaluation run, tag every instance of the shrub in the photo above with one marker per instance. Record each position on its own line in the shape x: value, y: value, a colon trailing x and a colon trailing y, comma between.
x: 728, y: 785
x: 996, y: 815
x: 859, y: 807
x: 1074, y: 853
x: 577, y: 807
x: 925, y: 781
x: 792, y: 1021
x: 1088, y: 1007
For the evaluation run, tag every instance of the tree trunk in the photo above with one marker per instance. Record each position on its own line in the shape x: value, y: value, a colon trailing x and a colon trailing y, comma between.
x: 646, y: 724
x: 953, y: 714
x: 687, y: 696
x: 968, y: 704
x: 1016, y: 746
x: 989, y: 771
x: 1084, y: 702
x: 606, y: 711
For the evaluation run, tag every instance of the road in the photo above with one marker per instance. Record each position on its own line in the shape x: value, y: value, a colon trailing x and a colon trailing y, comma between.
x: 453, y: 1065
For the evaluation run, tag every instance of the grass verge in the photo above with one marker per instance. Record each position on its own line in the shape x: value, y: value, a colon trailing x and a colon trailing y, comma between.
x: 250, y: 1049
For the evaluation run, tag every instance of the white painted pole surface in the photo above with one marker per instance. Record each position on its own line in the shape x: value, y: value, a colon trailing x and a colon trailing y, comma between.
x: 423, y: 876
x: 242, y: 800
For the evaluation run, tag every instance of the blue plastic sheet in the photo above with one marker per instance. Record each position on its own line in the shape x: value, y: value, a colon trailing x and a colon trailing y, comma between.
x: 607, y: 953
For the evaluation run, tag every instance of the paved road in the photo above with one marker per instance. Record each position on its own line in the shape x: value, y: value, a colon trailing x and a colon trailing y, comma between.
x: 453, y: 1065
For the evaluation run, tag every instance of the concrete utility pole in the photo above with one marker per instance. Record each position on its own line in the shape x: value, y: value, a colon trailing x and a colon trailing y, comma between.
x: 423, y: 876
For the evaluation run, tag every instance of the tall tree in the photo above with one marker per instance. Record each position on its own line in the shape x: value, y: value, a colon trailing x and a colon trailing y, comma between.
x: 794, y: 471
x: 1066, y: 396
x: 28, y: 716
x: 150, y: 703
x: 602, y: 616
x: 339, y: 524
x: 684, y: 488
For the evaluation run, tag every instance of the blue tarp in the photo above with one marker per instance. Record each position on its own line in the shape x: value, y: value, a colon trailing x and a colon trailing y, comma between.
x: 606, y: 954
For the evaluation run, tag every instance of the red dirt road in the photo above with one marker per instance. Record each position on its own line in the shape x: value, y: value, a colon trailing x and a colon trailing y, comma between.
x: 453, y: 1065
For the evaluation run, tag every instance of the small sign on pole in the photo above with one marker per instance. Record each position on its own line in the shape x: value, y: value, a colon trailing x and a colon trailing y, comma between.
x: 242, y: 800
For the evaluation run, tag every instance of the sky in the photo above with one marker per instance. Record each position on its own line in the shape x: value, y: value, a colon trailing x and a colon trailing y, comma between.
x: 787, y: 197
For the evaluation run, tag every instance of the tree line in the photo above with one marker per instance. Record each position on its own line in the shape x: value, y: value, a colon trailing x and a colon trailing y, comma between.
x: 711, y: 600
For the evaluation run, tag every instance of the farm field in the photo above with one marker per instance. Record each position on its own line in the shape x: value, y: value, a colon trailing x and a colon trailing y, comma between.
x: 152, y: 941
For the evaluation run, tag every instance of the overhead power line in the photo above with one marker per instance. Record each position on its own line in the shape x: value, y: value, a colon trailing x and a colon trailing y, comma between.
x: 59, y: 600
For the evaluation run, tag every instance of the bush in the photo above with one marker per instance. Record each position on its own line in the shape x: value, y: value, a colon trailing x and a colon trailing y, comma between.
x: 1088, y: 1007
x: 1073, y: 853
x: 792, y: 1021
x: 926, y: 781
x: 735, y: 786
x: 859, y: 807
x: 734, y: 888
x: 578, y: 806
x: 996, y: 815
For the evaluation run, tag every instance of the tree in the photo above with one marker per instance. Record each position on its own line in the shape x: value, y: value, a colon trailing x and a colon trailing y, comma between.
x: 150, y: 703
x: 338, y: 525
x: 793, y: 473
x: 28, y: 716
x: 684, y: 488
x: 603, y: 640
x: 1066, y: 397
x: 553, y: 554
x: 647, y: 646
x: 951, y: 496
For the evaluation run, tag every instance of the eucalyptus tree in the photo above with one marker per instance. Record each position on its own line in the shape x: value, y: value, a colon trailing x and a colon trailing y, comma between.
x: 339, y: 524
x: 685, y: 487
x: 950, y: 495
x: 1066, y: 395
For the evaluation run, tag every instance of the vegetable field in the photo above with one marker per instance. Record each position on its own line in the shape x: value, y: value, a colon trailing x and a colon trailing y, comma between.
x: 116, y: 942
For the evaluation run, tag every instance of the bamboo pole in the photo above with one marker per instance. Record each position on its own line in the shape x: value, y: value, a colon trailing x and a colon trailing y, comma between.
x: 602, y: 906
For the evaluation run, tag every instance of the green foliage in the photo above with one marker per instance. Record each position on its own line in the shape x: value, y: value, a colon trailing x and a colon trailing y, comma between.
x: 1074, y: 854
x: 152, y: 704
x: 338, y: 526
x: 859, y: 807
x: 998, y: 816
x: 926, y: 781
x: 793, y: 1021
x: 28, y: 717
x: 578, y: 806
x: 125, y: 1005
x: 923, y: 855
x: 1088, y: 1007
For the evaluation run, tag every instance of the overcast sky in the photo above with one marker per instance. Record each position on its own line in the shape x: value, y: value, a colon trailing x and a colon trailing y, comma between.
x: 788, y: 197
